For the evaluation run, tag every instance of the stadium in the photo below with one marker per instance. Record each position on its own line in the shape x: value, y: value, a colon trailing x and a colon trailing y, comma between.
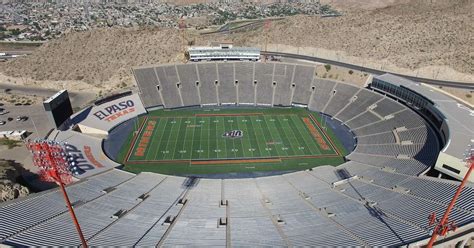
x: 256, y: 154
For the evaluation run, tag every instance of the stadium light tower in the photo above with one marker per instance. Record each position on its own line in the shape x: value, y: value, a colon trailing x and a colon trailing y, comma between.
x: 55, y: 166
x: 443, y: 226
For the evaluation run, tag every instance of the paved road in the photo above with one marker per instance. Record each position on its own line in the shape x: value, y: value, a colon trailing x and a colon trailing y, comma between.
x: 78, y: 99
x: 454, y: 84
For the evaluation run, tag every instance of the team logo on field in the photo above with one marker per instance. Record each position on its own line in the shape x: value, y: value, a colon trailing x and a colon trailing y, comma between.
x: 233, y: 134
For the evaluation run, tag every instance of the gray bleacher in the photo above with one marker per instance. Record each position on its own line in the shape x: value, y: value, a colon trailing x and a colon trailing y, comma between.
x: 342, y: 97
x: 301, y: 221
x: 226, y: 87
x: 404, y: 206
x: 147, y: 81
x: 200, y: 217
x: 188, y: 78
x: 379, y: 138
x: 439, y: 191
x: 244, y: 72
x: 49, y: 204
x: 264, y: 79
x: 149, y: 215
x: 388, y: 106
x: 406, y: 118
x: 389, y: 149
x: 303, y: 79
x: 251, y: 224
x: 405, y: 166
x: 295, y: 209
x: 324, y: 91
x: 283, y: 77
x: 92, y: 217
x: 416, y: 135
x: 207, y: 84
x: 168, y: 77
x: 427, y: 188
x: 374, y: 173
x: 365, y: 99
x: 377, y: 229
x: 364, y: 119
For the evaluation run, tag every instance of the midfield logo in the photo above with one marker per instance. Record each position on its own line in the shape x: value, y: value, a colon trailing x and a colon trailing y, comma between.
x: 233, y: 134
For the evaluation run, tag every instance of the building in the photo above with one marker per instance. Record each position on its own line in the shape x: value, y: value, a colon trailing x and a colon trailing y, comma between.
x: 223, y: 52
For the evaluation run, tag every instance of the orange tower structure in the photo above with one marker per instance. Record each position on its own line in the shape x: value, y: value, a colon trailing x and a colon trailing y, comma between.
x: 444, y: 225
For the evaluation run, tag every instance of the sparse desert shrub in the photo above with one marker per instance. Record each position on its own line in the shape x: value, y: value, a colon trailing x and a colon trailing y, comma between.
x: 10, y: 143
x: 351, y: 72
x: 468, y: 95
x: 328, y: 67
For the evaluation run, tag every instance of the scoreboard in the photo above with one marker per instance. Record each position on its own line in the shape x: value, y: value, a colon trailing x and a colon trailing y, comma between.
x: 58, y: 108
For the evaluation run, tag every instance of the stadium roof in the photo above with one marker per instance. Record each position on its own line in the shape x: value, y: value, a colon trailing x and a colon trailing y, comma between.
x: 459, y: 117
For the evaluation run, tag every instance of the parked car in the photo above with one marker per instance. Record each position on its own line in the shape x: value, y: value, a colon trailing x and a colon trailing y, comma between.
x: 21, y: 118
x: 2, y: 123
x: 4, y: 112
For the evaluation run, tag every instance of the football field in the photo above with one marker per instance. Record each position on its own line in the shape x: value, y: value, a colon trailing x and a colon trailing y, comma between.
x: 231, y: 137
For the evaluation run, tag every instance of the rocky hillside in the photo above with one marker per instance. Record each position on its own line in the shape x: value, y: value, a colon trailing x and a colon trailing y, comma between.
x: 9, y: 188
x: 412, y: 35
x: 409, y: 35
x: 96, y: 56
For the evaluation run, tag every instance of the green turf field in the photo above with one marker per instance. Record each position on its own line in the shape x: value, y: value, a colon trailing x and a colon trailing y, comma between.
x: 229, y: 140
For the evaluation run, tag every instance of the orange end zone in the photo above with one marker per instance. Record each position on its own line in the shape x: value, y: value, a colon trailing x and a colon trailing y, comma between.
x: 326, y: 135
x: 135, y: 138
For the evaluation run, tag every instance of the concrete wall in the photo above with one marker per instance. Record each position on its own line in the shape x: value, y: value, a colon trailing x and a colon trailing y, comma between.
x: 454, y: 162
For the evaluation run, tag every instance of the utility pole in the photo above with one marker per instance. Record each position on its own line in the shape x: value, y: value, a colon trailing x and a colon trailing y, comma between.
x: 266, y: 27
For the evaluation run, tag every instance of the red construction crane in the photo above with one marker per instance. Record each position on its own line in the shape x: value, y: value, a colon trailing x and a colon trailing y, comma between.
x: 444, y: 225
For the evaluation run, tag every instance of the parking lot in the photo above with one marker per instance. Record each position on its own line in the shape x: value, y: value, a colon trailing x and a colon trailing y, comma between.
x: 35, y: 116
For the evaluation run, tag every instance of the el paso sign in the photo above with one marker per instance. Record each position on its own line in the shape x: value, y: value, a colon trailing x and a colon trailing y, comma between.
x: 114, y: 111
